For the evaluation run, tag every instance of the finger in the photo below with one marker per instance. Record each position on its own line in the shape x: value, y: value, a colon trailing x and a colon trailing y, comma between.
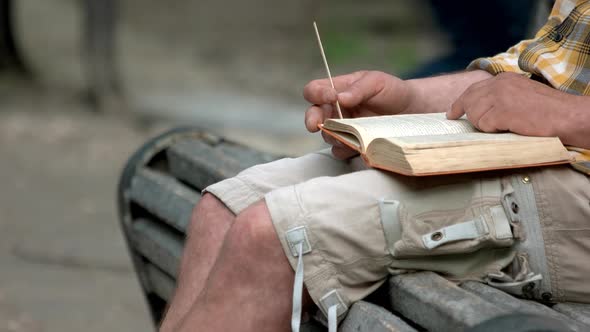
x: 339, y: 149
x: 330, y: 112
x: 316, y: 115
x: 321, y: 91
x: 313, y: 117
x: 332, y: 141
x: 367, y: 86
x: 457, y: 109
x: 342, y: 82
x: 476, y: 111
x: 471, y: 95
x: 491, y: 121
x: 343, y: 152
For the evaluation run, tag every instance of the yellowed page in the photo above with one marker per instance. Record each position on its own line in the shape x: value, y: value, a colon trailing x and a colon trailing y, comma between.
x: 404, y: 126
x: 350, y: 140
x: 479, y: 138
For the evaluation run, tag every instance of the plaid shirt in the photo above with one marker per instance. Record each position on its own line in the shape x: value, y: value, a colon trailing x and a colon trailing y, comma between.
x: 559, y: 54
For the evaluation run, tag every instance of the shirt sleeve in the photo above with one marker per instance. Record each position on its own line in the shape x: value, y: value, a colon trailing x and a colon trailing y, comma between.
x: 508, y: 61
x: 503, y: 62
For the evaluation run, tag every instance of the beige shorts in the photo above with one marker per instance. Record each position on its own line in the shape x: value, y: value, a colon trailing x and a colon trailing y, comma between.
x: 359, y: 225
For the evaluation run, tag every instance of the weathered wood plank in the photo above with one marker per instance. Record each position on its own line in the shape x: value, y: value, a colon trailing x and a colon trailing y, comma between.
x: 201, y: 164
x: 245, y: 156
x: 164, y: 196
x: 312, y: 326
x: 578, y: 311
x: 161, y: 283
x: 507, y: 301
x: 437, y: 304
x: 157, y: 243
x: 365, y: 316
x: 425, y: 298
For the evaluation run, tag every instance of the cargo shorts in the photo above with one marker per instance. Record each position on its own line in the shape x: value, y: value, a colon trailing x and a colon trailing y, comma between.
x: 526, y: 232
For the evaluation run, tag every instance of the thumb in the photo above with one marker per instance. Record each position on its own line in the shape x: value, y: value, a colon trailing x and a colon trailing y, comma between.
x: 457, y: 110
x: 366, y: 87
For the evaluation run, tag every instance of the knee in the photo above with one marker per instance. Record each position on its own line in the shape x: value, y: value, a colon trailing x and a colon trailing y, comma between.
x: 253, y: 232
x: 207, y: 203
x: 209, y: 212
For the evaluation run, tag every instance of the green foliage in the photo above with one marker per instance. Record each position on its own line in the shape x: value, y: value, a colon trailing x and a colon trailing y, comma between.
x: 402, y: 55
x: 358, y: 47
x: 344, y: 47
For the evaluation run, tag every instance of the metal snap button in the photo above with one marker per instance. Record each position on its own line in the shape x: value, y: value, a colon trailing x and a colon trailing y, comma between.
x: 436, y: 236
x: 546, y: 296
x: 527, y: 290
x: 526, y: 179
x: 514, y: 207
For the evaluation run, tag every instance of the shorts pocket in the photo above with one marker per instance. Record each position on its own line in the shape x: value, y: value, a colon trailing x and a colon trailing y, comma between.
x: 465, y: 230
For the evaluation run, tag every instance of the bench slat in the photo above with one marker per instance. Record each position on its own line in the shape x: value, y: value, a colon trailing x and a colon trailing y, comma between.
x: 437, y: 304
x: 505, y: 300
x: 367, y: 317
x: 157, y: 243
x: 194, y: 161
x: 201, y: 164
x: 246, y: 157
x: 312, y: 326
x: 578, y: 311
x: 161, y: 283
x: 164, y: 196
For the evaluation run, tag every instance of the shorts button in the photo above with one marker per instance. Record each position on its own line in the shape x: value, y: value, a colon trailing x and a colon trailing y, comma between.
x: 557, y: 37
x: 514, y: 207
x: 546, y: 296
x: 436, y: 236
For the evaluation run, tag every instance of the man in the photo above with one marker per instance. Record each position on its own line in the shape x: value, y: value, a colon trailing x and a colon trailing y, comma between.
x: 342, y: 229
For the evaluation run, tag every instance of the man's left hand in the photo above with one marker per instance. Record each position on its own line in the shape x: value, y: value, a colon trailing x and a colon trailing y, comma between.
x: 514, y: 103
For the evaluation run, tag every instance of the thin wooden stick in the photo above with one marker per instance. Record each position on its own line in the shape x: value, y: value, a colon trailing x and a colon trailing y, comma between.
x: 317, y: 33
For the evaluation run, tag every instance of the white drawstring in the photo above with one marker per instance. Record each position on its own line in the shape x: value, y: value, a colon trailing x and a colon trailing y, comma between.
x: 333, y: 318
x: 298, y: 291
x: 298, y: 295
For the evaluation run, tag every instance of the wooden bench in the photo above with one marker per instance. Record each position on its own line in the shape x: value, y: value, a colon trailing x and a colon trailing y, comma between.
x: 161, y: 184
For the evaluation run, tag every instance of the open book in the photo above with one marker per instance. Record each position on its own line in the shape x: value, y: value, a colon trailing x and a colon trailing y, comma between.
x: 429, y: 144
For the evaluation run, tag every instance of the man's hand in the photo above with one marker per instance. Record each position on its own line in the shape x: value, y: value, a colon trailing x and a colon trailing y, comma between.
x: 364, y: 93
x: 514, y: 103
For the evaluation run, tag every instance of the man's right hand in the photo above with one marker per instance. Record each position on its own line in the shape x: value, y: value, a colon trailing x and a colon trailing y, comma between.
x: 360, y: 94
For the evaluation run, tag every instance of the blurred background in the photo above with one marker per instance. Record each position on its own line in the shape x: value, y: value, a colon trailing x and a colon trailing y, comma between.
x: 84, y: 82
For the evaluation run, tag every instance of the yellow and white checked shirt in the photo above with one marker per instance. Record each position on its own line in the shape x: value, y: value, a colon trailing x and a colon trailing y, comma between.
x: 558, y: 55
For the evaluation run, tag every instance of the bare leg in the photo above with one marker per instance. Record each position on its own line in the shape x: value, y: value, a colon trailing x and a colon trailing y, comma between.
x: 250, y: 286
x: 210, y: 222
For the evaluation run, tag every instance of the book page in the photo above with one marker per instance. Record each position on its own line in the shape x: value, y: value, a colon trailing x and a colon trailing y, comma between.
x: 408, y: 125
x: 434, y: 141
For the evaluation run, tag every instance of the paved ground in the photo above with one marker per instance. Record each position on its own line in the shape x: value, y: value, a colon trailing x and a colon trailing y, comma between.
x: 64, y: 265
x: 63, y: 262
